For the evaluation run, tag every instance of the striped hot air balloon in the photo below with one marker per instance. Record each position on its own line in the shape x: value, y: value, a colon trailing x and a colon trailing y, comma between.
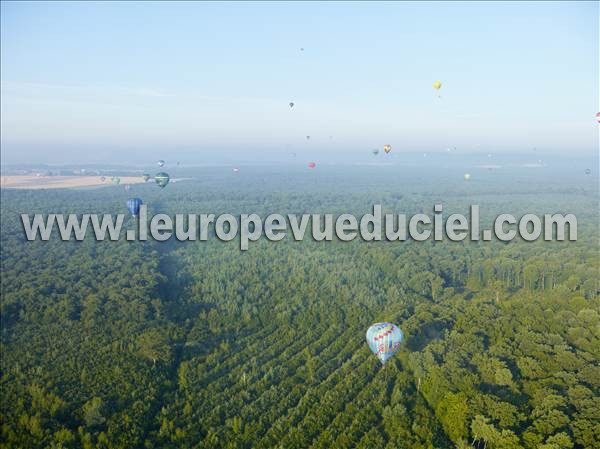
x: 384, y: 340
x: 162, y: 179
x: 133, y: 205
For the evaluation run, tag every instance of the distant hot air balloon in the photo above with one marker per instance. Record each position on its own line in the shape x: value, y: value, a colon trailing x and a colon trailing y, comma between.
x: 467, y: 176
x: 291, y: 104
x: 307, y: 137
x: 133, y: 204
x: 301, y: 49
x: 102, y: 178
x: 375, y: 151
x: 437, y: 86
x: 387, y: 148
x: 161, y: 163
x: 162, y: 179
x: 384, y: 340
x: 236, y: 170
x: 598, y: 117
x: 588, y: 171
x: 146, y: 177
x: 312, y: 165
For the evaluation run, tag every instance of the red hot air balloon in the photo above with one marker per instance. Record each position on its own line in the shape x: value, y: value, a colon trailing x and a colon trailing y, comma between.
x: 598, y: 117
x: 311, y: 165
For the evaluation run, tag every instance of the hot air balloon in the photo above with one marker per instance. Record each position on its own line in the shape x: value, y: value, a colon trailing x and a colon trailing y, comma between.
x: 301, y: 49
x: 598, y: 117
x: 161, y: 163
x: 146, y: 177
x: 311, y: 165
x: 162, y: 179
x: 291, y: 104
x: 236, y: 170
x: 307, y: 137
x: 102, y: 178
x: 437, y: 86
x: 467, y: 176
x: 387, y: 148
x: 133, y: 205
x: 588, y: 171
x: 384, y: 340
x: 375, y: 151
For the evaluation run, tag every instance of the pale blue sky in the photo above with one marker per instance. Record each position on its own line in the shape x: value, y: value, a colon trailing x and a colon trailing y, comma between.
x: 119, y: 82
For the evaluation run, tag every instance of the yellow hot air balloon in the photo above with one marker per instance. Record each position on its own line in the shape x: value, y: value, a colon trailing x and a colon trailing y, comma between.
x: 387, y: 148
x: 437, y: 85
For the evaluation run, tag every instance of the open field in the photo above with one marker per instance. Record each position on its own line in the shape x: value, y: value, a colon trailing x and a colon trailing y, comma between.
x: 62, y: 182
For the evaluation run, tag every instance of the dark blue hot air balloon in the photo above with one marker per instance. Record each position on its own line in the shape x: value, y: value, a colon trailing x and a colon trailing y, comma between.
x: 133, y: 204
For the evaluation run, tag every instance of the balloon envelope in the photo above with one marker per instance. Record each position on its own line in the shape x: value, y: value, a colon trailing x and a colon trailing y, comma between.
x: 588, y: 171
x: 311, y: 165
x: 291, y: 104
x: 598, y: 117
x: 133, y: 205
x: 384, y: 340
x: 467, y: 176
x: 387, y: 148
x: 161, y: 163
x: 162, y: 179
x: 437, y: 85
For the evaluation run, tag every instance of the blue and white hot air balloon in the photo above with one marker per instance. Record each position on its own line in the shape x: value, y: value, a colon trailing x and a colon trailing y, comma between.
x: 133, y: 204
x: 384, y: 340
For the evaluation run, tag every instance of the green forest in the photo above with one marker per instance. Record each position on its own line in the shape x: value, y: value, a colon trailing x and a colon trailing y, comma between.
x: 200, y: 345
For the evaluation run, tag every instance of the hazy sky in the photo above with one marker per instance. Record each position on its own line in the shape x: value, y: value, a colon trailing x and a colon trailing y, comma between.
x: 121, y: 82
